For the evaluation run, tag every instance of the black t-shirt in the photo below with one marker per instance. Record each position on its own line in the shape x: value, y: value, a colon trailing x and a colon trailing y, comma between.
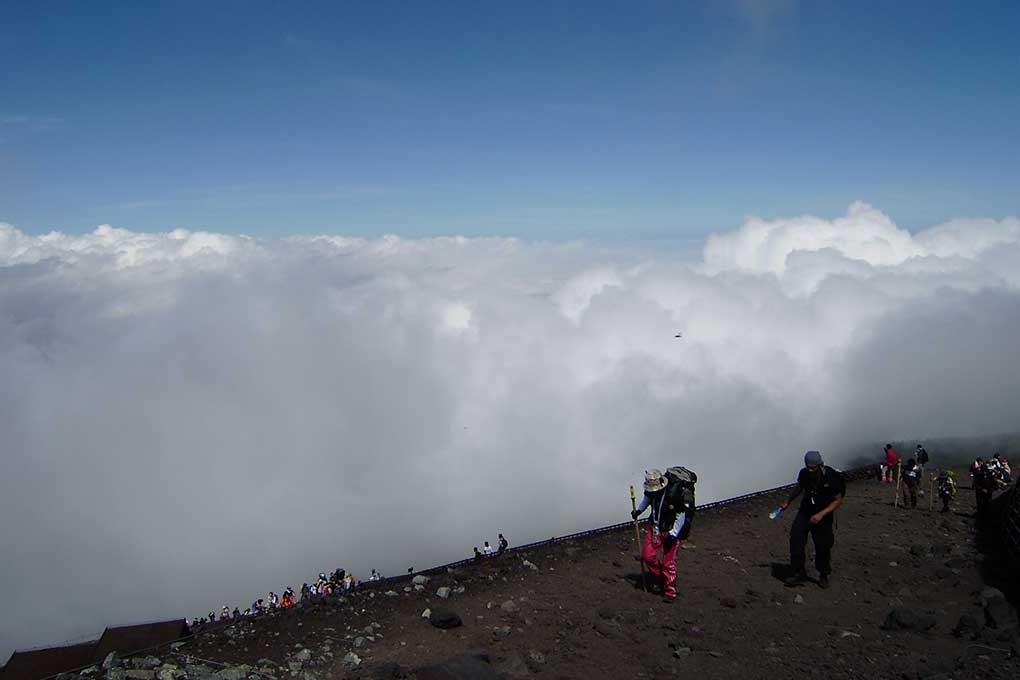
x: 820, y: 489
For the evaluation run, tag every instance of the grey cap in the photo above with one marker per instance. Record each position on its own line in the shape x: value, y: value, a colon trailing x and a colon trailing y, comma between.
x: 812, y: 458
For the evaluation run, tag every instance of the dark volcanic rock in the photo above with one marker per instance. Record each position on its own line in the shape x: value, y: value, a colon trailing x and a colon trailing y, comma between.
x: 967, y: 627
x: 464, y: 667
x: 902, y: 618
x: 999, y: 614
x: 444, y: 618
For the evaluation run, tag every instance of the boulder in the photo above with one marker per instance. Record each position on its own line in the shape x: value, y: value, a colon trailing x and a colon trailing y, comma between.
x: 420, y: 580
x: 463, y: 667
x: 351, y: 661
x: 443, y: 592
x: 111, y: 661
x: 233, y: 673
x: 967, y: 627
x: 444, y: 618
x: 902, y: 618
x: 999, y: 614
x: 117, y: 673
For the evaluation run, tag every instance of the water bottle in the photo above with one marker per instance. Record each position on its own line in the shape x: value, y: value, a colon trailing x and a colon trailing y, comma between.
x: 775, y: 513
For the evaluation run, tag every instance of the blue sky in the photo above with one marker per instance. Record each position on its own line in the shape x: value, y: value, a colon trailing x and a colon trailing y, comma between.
x: 656, y: 121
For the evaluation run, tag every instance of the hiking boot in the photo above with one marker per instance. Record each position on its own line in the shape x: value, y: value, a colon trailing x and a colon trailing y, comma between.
x: 823, y: 580
x: 796, y: 579
x: 668, y: 599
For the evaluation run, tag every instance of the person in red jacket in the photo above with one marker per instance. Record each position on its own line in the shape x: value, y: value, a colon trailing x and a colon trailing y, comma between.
x: 889, y: 466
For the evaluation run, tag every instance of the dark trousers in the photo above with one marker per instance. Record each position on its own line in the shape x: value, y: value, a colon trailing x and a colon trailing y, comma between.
x: 821, y: 534
x: 909, y: 491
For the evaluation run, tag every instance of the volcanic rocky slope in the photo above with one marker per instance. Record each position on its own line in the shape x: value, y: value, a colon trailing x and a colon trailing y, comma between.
x: 911, y: 597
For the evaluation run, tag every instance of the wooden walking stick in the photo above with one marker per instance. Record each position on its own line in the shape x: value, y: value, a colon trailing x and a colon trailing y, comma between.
x: 637, y: 537
x: 899, y: 480
x: 931, y: 492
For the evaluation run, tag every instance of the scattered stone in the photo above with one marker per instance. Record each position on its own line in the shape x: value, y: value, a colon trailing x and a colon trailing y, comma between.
x: 904, y: 592
x: 717, y: 655
x: 294, y: 666
x: 303, y: 656
x: 391, y: 593
x: 901, y: 618
x: 418, y: 588
x: 501, y: 631
x: 894, y: 564
x: 530, y: 565
x: 168, y: 671
x: 799, y: 599
x: 509, y: 606
x: 420, y: 580
x: 146, y: 662
x: 426, y: 614
x: 359, y: 642
x: 370, y: 629
x: 443, y: 592
x: 535, y: 659
x: 459, y: 590
x: 990, y: 594
x: 233, y: 673
x: 444, y: 618
x: 919, y: 550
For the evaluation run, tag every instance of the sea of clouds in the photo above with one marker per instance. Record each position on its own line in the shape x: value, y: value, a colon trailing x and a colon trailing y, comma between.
x: 192, y: 419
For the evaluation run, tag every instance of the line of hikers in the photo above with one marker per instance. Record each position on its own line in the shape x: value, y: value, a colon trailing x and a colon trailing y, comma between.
x: 987, y: 477
x: 337, y: 583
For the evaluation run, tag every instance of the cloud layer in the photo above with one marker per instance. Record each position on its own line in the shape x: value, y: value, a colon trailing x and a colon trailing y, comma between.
x: 191, y: 419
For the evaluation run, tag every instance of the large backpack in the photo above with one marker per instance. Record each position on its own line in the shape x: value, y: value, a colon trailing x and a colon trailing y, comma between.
x: 680, y: 483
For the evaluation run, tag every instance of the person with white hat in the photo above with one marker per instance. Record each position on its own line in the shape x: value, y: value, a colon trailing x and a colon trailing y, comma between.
x: 665, y: 523
x: 823, y: 488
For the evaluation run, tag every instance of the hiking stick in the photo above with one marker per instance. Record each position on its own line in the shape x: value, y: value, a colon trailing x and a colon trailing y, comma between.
x: 637, y: 537
x: 931, y: 493
x: 899, y: 480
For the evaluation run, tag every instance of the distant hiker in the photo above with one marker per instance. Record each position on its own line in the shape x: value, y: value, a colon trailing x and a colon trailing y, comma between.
x: 224, y: 613
x: 666, y: 524
x: 823, y: 489
x: 503, y: 544
x: 976, y: 466
x: 911, y: 479
x: 888, y: 467
x: 478, y: 555
x: 984, y: 486
x: 247, y: 612
x: 946, y: 485
x: 922, y: 459
x: 375, y: 576
x: 487, y: 549
x: 212, y: 617
x: 236, y: 613
x: 274, y: 600
x: 305, y: 590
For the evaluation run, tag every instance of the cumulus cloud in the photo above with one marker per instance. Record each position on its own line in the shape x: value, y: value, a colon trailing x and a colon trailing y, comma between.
x: 192, y: 419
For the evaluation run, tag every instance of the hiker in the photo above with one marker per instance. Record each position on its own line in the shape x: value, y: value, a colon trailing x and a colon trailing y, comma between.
x: 922, y: 459
x: 946, y: 485
x: 911, y: 479
x: 274, y: 600
x: 236, y: 614
x: 666, y: 522
x: 212, y: 617
x: 503, y: 544
x: 478, y: 555
x: 984, y: 486
x: 375, y: 576
x: 487, y: 550
x: 888, y: 468
x: 224, y: 613
x: 823, y: 489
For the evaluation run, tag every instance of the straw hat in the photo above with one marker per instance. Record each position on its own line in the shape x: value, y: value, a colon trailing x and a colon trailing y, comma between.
x: 654, y: 481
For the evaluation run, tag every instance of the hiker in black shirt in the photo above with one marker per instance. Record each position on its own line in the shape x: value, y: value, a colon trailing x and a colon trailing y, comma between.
x: 823, y: 489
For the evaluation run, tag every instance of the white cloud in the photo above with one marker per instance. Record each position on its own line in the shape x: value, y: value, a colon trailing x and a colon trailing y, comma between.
x: 192, y: 418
